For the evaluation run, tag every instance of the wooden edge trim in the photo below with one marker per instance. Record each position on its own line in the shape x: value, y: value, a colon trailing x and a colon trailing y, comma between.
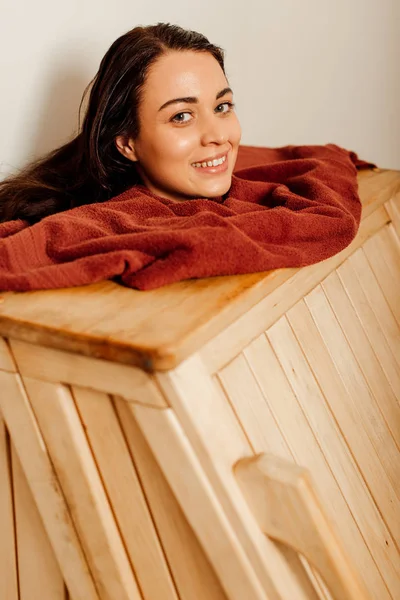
x: 59, y: 366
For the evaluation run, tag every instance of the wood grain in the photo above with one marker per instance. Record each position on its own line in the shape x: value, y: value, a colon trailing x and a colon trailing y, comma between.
x: 125, y: 494
x: 38, y: 571
x: 76, y: 469
x: 6, y: 360
x: 284, y: 500
x: 8, y: 551
x: 189, y: 565
x: 156, y: 330
x: 46, y: 490
x: 219, y: 443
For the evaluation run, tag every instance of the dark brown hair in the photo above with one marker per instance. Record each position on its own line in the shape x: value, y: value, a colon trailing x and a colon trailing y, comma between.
x: 90, y: 168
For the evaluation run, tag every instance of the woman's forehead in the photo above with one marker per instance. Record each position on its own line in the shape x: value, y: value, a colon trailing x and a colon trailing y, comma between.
x: 183, y: 74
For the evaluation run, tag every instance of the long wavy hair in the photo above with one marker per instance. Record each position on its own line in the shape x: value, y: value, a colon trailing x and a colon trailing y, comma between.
x: 89, y: 168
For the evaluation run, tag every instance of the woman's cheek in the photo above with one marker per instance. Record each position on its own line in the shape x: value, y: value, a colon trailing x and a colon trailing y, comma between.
x: 185, y: 143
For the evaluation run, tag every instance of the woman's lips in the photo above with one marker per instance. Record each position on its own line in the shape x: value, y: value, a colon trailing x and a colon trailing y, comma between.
x: 222, y: 168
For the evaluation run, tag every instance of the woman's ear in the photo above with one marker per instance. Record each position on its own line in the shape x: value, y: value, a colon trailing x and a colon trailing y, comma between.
x: 127, y: 147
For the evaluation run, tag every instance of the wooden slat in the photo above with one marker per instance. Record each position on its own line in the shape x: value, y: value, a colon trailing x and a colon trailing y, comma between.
x: 125, y: 494
x: 257, y: 421
x: 202, y: 509
x: 385, y: 399
x: 45, y: 488
x: 383, y: 253
x: 63, y: 433
x: 275, y: 423
x: 377, y: 302
x: 57, y: 366
x: 192, y: 572
x: 199, y: 406
x: 225, y: 346
x: 358, y: 416
x: 157, y: 329
x: 288, y: 508
x: 371, y: 325
x: 8, y: 556
x: 318, y: 389
x: 38, y: 571
x: 6, y: 360
x: 393, y: 208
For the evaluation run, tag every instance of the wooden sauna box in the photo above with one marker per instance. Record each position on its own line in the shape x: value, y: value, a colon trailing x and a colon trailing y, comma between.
x: 184, y: 444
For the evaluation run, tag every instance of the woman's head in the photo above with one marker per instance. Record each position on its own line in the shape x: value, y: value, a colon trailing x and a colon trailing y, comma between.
x: 135, y: 130
x: 134, y: 123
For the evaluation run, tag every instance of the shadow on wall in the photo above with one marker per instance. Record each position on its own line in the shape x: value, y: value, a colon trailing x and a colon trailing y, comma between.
x: 58, y: 119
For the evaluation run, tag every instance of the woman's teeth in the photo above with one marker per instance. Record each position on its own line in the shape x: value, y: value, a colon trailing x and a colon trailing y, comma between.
x: 210, y: 163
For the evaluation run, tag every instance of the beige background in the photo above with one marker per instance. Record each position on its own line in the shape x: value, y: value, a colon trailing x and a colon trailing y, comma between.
x: 303, y: 71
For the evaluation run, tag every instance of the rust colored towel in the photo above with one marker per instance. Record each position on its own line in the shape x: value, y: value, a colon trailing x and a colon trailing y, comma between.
x: 299, y: 205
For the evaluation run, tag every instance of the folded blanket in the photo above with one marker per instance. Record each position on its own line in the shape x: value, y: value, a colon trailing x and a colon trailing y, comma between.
x: 299, y: 205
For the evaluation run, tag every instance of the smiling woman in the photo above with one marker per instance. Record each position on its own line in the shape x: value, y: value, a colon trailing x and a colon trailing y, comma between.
x: 155, y: 162
x: 160, y: 114
x: 189, y: 133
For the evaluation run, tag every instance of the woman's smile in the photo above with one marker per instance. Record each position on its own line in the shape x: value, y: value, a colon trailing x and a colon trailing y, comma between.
x: 212, y: 165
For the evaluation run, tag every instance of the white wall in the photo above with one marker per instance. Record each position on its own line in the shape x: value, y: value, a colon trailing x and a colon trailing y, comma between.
x: 303, y: 71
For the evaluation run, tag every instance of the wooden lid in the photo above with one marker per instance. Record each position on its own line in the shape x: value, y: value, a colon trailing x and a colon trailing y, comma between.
x: 158, y: 329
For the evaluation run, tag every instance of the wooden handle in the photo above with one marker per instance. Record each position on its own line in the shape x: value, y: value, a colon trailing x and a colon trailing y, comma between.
x: 284, y: 502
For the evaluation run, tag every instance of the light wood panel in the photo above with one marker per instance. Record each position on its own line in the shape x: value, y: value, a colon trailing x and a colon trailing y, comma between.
x: 225, y: 346
x: 284, y: 500
x: 359, y: 417
x: 219, y: 443
x: 393, y: 208
x: 57, y: 366
x: 377, y: 302
x: 125, y: 494
x: 8, y: 552
x: 306, y: 363
x: 70, y: 453
x: 382, y: 393
x: 275, y: 423
x: 202, y: 509
x: 383, y: 253
x: 6, y: 360
x: 376, y: 337
x: 158, y: 329
x: 191, y: 570
x: 43, y: 482
x: 38, y: 571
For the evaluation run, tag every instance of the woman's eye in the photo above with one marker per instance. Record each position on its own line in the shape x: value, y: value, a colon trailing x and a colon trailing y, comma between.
x: 183, y: 117
x: 225, y: 107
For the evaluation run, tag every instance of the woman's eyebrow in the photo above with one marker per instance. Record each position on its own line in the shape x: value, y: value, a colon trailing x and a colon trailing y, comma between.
x: 193, y: 99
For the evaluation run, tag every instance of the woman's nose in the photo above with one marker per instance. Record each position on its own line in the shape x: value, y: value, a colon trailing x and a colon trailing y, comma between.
x: 214, y: 131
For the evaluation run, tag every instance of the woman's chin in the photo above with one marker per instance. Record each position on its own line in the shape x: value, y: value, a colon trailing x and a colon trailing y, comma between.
x: 214, y: 189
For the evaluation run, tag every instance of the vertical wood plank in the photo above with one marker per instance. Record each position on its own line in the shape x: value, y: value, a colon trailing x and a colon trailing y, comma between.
x: 193, y: 491
x: 359, y: 418
x: 199, y: 406
x: 73, y: 461
x: 383, y: 253
x: 393, y: 208
x: 6, y: 360
x: 383, y: 398
x: 45, y: 488
x: 256, y: 379
x: 38, y: 571
x: 349, y: 278
x: 125, y: 493
x: 319, y: 391
x: 377, y: 302
x: 189, y: 565
x: 8, y: 556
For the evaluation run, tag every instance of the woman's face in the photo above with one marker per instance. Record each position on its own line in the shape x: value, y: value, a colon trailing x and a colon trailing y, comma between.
x: 189, y: 132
